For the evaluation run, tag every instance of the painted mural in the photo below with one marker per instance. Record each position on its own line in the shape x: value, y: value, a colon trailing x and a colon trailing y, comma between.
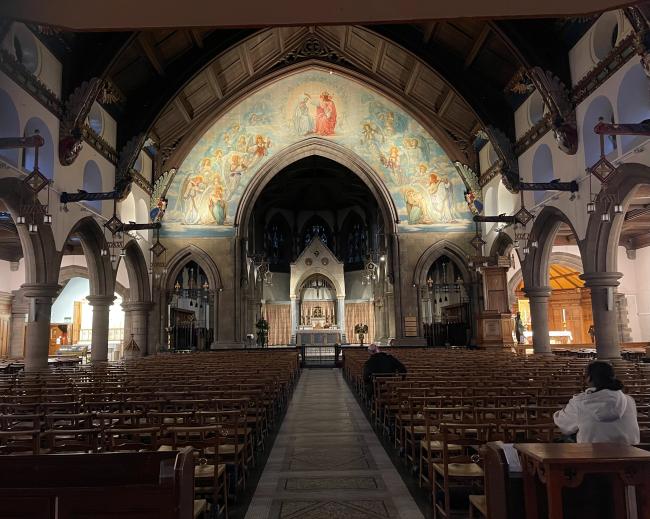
x: 427, y: 190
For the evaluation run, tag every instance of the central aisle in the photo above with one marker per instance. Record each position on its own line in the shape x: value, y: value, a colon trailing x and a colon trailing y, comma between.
x: 327, y: 462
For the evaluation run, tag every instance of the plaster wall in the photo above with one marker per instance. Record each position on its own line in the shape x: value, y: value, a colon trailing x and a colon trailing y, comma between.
x: 49, y: 69
x: 11, y: 280
x: 584, y: 54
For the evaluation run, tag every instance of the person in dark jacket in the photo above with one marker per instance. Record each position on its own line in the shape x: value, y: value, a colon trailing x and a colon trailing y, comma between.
x: 379, y: 363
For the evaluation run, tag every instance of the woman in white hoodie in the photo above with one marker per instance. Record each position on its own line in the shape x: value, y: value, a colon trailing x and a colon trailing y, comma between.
x: 603, y: 413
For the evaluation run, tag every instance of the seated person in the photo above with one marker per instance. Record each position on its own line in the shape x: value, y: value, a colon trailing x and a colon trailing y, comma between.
x: 379, y: 363
x: 603, y: 413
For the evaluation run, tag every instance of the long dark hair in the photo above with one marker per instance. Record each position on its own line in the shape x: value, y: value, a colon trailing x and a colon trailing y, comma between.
x: 601, y: 375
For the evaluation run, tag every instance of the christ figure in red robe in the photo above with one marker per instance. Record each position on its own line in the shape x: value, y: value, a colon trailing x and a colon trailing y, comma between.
x: 325, y: 115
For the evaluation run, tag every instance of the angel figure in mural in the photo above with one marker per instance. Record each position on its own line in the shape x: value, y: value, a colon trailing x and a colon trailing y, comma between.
x: 392, y: 162
x: 258, y: 150
x: 325, y: 115
x: 192, y: 187
x: 446, y: 197
x: 303, y: 122
x: 217, y: 204
x: 416, y: 207
x: 372, y: 137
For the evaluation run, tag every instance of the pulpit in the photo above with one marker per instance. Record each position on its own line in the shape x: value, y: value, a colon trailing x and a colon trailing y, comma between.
x: 495, y: 324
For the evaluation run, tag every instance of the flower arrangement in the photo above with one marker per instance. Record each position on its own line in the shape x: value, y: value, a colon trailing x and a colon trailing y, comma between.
x: 361, y: 330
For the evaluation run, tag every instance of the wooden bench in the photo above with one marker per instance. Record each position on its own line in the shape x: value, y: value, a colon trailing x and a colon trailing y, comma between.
x: 142, y: 485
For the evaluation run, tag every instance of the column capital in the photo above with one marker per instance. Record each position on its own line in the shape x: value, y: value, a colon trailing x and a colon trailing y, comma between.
x: 537, y: 292
x: 100, y: 300
x: 40, y: 290
x: 601, y: 279
x: 142, y: 306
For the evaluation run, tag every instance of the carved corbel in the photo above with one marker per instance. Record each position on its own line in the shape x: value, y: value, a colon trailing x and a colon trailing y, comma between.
x: 75, y: 112
x: 562, y: 114
x: 507, y: 165
x: 641, y: 28
x: 128, y: 156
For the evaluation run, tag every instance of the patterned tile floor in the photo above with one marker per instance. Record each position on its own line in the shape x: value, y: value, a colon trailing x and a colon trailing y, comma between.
x: 327, y: 462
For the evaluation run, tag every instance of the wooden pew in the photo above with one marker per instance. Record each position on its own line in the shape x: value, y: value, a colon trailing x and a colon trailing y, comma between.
x: 146, y: 485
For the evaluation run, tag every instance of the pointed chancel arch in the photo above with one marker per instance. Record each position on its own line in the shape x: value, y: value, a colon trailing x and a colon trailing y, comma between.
x: 202, y: 259
x: 336, y: 113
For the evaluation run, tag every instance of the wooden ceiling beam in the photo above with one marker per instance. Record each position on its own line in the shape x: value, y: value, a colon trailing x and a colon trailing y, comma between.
x: 449, y: 97
x: 477, y: 46
x: 184, y: 107
x: 212, y: 81
x: 430, y: 30
x: 195, y: 37
x: 152, y: 54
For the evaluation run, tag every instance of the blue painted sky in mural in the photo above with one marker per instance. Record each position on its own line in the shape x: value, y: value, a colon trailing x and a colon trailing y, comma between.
x: 426, y: 188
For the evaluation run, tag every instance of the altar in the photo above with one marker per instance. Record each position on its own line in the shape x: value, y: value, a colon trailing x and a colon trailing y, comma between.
x: 318, y: 337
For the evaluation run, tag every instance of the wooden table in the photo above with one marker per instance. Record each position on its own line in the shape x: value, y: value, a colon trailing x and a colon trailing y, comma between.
x: 560, y: 465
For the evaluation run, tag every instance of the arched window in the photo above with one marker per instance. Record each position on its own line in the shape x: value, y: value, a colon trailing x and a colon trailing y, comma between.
x: 354, y: 236
x: 191, y: 310
x: 542, y: 170
x: 9, y: 126
x: 316, y: 226
x: 25, y: 48
x: 45, y: 153
x: 92, y: 182
x: 604, y: 35
x: 277, y: 242
x: 633, y: 104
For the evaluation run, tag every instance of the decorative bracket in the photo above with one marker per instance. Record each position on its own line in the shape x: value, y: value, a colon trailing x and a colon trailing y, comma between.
x: 76, y: 110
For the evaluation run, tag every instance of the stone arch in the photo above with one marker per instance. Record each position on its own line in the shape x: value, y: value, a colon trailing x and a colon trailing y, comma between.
x: 92, y: 182
x: 78, y: 271
x: 435, y: 251
x: 45, y: 153
x: 542, y: 170
x: 317, y: 271
x: 535, y: 266
x: 633, y: 103
x: 39, y: 249
x: 557, y: 258
x: 324, y: 148
x: 9, y: 126
x: 185, y: 255
x: 602, y: 237
x: 100, y: 269
x: 502, y: 246
x: 138, y: 274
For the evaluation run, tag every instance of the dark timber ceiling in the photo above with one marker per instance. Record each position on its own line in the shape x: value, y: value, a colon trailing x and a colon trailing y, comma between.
x: 164, y: 80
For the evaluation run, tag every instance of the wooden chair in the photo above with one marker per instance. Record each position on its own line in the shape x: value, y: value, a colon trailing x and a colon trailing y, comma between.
x: 478, y: 503
x: 210, y: 475
x: 431, y: 446
x: 458, y: 468
x: 71, y: 440
x: 20, y: 441
x: 133, y: 439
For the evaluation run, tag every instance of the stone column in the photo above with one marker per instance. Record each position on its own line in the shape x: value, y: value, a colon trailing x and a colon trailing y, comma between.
x: 38, y: 325
x: 294, y: 319
x: 101, y: 307
x: 19, y: 315
x: 136, y: 314
x: 538, y: 298
x: 603, y: 305
x: 341, y: 317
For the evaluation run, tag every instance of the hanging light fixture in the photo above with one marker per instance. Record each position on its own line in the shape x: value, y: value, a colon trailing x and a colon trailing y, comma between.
x: 103, y: 252
x: 591, y: 208
x: 605, y: 217
x: 122, y: 253
x: 533, y: 244
x: 32, y: 228
x: 526, y: 250
x: 618, y: 209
